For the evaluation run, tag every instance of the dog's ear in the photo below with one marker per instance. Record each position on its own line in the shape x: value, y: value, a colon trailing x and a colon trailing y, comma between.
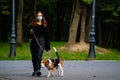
x: 46, y: 62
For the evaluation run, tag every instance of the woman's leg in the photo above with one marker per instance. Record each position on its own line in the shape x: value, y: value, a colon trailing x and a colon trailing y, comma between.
x: 33, y: 49
x: 37, y: 53
x: 40, y: 51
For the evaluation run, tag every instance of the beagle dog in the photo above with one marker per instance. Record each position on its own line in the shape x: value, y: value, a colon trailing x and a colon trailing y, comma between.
x: 51, y: 64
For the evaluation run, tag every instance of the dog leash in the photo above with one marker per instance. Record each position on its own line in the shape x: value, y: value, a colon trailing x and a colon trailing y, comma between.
x: 37, y: 41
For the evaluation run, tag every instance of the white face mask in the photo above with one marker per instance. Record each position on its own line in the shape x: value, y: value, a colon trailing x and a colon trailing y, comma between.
x: 40, y: 18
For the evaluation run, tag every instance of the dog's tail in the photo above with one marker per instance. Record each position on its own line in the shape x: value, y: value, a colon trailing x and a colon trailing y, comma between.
x: 56, y: 52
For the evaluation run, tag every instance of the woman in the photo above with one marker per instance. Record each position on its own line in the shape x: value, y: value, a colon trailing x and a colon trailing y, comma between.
x: 38, y: 34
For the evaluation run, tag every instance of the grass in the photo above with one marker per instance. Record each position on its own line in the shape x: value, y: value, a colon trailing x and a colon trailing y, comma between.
x: 114, y: 55
x: 23, y: 53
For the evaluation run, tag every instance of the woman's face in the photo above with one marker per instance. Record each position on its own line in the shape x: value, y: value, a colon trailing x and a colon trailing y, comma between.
x: 39, y: 16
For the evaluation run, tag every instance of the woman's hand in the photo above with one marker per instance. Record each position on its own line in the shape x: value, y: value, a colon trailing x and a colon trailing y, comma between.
x: 31, y: 31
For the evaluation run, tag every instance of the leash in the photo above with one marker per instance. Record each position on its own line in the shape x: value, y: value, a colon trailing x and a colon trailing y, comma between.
x: 37, y: 41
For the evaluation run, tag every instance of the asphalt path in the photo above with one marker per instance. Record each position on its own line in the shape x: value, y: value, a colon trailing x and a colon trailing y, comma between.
x: 73, y: 70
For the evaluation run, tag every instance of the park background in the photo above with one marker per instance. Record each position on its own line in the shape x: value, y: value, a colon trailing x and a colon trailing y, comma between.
x: 69, y: 24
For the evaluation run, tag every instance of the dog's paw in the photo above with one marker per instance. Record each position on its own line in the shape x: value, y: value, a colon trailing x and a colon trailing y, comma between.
x: 61, y: 75
x: 48, y: 75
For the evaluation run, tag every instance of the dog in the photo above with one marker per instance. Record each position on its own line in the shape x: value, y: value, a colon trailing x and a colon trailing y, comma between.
x: 51, y: 64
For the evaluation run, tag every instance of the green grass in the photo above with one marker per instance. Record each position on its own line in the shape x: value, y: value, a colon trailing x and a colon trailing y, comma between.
x: 23, y: 53
x: 114, y: 55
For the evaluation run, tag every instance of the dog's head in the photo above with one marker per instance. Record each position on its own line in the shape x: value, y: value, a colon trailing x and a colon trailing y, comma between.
x: 44, y: 63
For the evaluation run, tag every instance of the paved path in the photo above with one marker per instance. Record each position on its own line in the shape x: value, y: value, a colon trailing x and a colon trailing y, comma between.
x: 73, y: 70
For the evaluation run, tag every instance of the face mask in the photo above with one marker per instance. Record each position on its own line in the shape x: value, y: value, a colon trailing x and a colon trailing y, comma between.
x: 40, y: 18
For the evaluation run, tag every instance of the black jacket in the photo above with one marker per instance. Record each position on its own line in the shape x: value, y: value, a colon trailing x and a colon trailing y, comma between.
x: 40, y: 30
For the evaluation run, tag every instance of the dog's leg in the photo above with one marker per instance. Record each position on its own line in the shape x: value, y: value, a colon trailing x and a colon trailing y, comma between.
x: 61, y: 69
x: 53, y: 71
x: 48, y: 73
x: 58, y: 70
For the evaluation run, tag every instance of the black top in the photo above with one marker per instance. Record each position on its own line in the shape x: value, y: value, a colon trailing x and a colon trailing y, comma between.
x: 40, y: 30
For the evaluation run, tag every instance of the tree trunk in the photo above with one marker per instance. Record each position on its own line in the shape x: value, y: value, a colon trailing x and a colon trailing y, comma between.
x: 19, y: 23
x: 35, y: 1
x: 59, y: 22
x: 83, y: 21
x: 4, y: 28
x: 99, y: 33
x: 74, y: 25
x: 109, y: 39
x: 88, y: 23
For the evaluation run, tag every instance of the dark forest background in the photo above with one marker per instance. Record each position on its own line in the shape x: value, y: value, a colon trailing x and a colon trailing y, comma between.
x: 68, y: 20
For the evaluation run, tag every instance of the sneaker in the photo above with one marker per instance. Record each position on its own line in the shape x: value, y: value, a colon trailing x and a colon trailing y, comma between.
x: 38, y: 73
x: 34, y: 74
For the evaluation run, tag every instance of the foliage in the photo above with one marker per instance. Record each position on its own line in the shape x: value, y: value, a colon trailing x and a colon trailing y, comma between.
x: 108, y: 17
x: 112, y: 7
x: 88, y: 1
x: 5, y: 7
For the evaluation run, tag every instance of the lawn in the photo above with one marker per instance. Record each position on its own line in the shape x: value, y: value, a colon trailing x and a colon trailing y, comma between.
x: 23, y: 53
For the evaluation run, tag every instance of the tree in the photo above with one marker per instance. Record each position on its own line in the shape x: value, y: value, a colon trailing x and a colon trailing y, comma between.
x: 62, y: 19
x: 88, y: 23
x: 80, y: 26
x: 83, y: 22
x: 35, y: 3
x: 108, y: 16
x: 75, y: 22
x: 5, y: 20
x: 19, y: 23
